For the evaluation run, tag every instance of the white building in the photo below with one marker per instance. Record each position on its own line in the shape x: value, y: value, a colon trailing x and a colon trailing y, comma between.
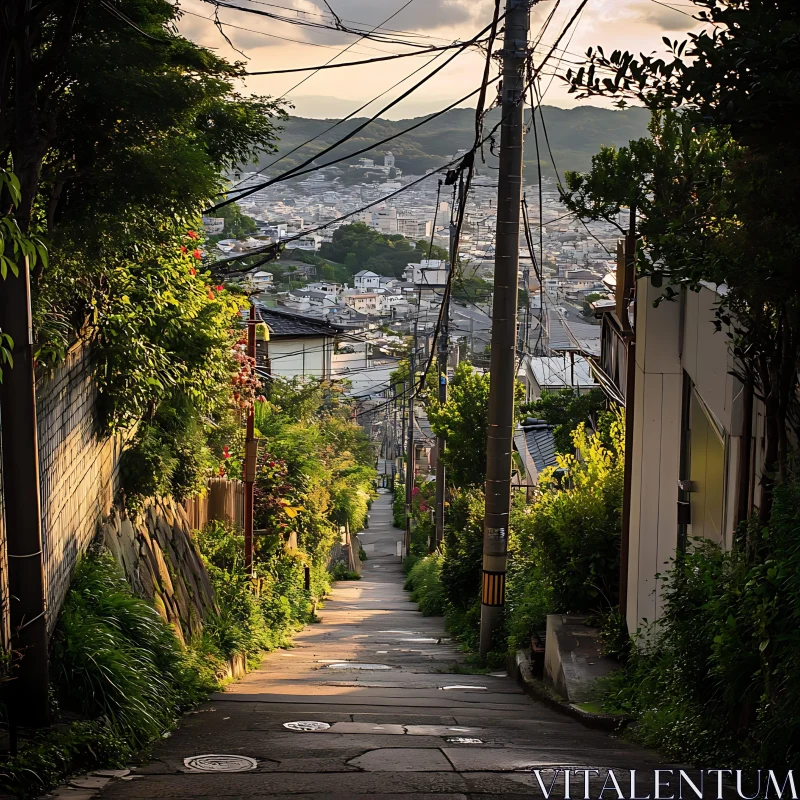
x: 297, y: 346
x: 429, y: 272
x: 214, y: 226
x: 366, y: 281
x: 388, y: 160
x: 261, y: 280
x: 363, y: 302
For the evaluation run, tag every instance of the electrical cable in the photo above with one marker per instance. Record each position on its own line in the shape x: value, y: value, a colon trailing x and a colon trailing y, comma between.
x: 296, y: 171
x: 337, y: 123
x: 355, y: 63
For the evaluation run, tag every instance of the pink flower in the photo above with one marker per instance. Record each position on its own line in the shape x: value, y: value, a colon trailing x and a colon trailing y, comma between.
x: 415, y: 491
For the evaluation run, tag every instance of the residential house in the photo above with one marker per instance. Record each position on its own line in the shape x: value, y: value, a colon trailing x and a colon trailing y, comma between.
x: 298, y: 346
x: 366, y: 281
x: 429, y: 272
x: 694, y: 446
x: 365, y: 302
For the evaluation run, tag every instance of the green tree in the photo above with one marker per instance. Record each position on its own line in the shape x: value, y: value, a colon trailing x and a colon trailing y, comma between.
x: 117, y: 170
x: 464, y: 422
x: 237, y: 224
x: 359, y: 247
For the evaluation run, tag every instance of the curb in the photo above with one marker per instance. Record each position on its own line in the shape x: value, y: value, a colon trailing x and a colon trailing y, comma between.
x: 520, y: 667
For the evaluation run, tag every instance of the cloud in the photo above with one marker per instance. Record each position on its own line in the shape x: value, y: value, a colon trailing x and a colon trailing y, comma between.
x: 665, y: 19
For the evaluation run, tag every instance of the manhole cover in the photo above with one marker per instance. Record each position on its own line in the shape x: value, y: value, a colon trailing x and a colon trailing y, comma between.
x: 463, y: 740
x: 216, y: 762
x: 306, y: 725
x: 351, y: 665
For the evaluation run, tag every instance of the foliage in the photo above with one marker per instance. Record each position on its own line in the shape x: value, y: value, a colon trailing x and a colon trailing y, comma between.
x: 717, y: 678
x: 399, y: 505
x: 360, y: 247
x: 424, y: 583
x: 51, y: 755
x: 472, y: 289
x: 114, y: 658
x: 564, y: 548
x: 718, y: 182
x: 463, y: 421
x: 257, y: 614
x: 327, y: 461
x: 117, y: 178
x: 237, y: 224
x: 565, y: 410
x: 340, y: 572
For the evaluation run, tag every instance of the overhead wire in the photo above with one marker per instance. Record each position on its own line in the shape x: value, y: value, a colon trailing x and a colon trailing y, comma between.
x: 295, y: 171
x: 338, y: 122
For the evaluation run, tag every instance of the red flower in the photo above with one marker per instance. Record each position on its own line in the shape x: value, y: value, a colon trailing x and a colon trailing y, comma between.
x: 423, y: 506
x: 197, y: 254
x: 262, y: 399
x: 221, y: 471
x: 220, y: 288
x: 184, y: 249
x: 415, y: 491
x: 191, y: 234
x: 211, y: 295
x: 192, y: 271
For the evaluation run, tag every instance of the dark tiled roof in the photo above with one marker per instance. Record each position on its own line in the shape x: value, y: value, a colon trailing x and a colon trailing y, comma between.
x: 288, y: 324
x: 534, y: 442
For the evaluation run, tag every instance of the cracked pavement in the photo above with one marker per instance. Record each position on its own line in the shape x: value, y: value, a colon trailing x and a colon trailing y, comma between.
x: 398, y: 723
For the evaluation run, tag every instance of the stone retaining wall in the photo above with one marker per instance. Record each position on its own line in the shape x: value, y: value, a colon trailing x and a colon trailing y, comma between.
x: 156, y: 549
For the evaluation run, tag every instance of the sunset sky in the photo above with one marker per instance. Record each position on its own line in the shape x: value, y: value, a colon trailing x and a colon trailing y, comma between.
x: 625, y: 24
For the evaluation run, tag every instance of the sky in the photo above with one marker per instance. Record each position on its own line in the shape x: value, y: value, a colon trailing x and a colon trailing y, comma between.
x: 266, y: 44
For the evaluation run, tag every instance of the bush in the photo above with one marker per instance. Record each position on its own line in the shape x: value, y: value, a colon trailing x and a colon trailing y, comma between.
x: 254, y: 615
x: 564, y: 548
x: 341, y: 573
x: 719, y: 678
x: 399, y: 506
x: 424, y: 583
x: 117, y: 665
x: 114, y: 658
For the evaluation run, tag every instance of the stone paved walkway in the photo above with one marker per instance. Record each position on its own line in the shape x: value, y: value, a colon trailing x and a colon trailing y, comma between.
x: 404, y: 729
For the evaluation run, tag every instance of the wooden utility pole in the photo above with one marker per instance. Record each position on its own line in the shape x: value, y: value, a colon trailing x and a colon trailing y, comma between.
x: 504, y: 321
x: 410, y: 455
x: 443, y: 351
x: 29, y: 694
x: 250, y: 453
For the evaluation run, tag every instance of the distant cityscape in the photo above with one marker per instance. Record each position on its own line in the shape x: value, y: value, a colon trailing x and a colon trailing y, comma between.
x: 557, y: 324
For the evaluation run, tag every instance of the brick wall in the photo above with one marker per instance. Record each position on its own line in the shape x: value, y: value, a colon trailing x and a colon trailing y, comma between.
x: 78, y: 470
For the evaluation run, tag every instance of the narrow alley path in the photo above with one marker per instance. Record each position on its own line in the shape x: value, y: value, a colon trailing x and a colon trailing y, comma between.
x: 376, y: 672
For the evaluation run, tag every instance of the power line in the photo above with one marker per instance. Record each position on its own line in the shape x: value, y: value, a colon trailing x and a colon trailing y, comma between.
x: 338, y: 122
x: 375, y: 60
x: 295, y: 171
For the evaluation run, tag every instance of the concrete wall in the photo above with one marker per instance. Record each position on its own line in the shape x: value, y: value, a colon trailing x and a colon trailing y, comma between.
x: 78, y: 470
x: 674, y: 342
x: 303, y: 357
x: 79, y: 480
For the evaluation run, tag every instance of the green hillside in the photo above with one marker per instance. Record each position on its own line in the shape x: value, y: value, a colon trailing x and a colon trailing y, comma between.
x: 575, y: 135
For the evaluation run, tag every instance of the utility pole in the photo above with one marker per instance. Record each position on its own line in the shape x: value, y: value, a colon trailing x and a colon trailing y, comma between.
x: 250, y: 453
x: 410, y: 445
x: 29, y: 699
x: 504, y: 320
x: 442, y: 356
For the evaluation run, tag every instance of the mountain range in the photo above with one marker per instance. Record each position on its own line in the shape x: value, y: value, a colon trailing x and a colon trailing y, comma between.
x: 574, y: 135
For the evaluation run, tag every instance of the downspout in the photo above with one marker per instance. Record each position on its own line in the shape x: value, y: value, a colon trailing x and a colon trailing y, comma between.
x: 630, y: 388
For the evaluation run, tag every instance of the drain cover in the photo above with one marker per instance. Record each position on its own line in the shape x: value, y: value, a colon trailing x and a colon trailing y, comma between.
x: 463, y: 740
x: 215, y: 762
x: 306, y: 725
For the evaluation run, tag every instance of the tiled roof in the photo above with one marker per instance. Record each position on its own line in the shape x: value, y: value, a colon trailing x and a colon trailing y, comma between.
x: 286, y: 324
x: 534, y: 442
